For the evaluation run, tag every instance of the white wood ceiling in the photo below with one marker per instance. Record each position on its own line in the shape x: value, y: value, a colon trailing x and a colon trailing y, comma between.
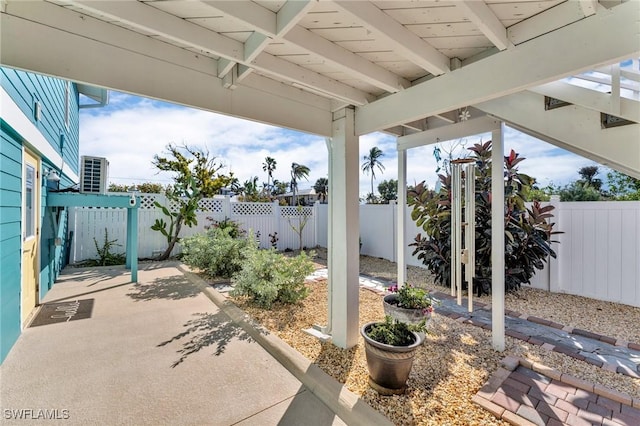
x: 325, y: 54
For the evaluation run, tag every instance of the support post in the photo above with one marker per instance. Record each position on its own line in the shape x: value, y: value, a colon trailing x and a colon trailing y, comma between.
x: 344, y: 225
x: 553, y: 264
x: 497, y: 239
x: 128, y: 243
x: 330, y: 274
x: 401, y: 218
x: 132, y: 241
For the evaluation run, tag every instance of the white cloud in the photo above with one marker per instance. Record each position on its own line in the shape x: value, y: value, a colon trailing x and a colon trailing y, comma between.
x: 131, y: 130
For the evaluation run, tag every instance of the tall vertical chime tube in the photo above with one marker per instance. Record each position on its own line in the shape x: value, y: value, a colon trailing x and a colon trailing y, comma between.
x: 452, y: 234
x: 470, y: 230
x: 457, y: 220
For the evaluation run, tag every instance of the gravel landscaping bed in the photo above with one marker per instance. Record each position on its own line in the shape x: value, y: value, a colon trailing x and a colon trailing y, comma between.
x: 456, y: 358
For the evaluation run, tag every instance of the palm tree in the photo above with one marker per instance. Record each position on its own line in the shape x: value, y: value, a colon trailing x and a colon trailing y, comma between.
x: 298, y: 171
x: 372, y: 161
x: 269, y: 166
x: 321, y: 186
x: 588, y: 174
x: 279, y: 188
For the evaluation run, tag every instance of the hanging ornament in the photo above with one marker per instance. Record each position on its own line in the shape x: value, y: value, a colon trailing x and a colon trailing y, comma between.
x: 436, y: 154
x: 465, y: 114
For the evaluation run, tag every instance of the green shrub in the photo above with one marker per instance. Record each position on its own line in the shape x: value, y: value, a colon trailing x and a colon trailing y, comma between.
x: 235, y: 229
x: 215, y: 252
x: 268, y: 277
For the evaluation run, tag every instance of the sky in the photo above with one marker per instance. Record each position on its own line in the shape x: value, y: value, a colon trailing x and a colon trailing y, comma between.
x: 130, y: 130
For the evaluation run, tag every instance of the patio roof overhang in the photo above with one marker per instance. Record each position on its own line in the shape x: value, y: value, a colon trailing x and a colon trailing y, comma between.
x: 343, y: 69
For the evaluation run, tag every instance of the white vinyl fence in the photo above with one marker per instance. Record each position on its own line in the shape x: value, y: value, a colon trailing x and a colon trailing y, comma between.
x: 598, y: 251
x: 263, y: 219
x: 378, y: 225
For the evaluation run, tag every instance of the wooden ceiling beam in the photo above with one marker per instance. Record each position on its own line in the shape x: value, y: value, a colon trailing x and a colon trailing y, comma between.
x: 483, y: 17
x: 342, y: 59
x: 405, y: 42
x: 146, y: 17
x: 611, y: 36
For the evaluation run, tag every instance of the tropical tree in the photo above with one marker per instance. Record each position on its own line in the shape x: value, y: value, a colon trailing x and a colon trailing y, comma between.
x: 623, y: 187
x: 235, y: 186
x: 269, y: 166
x: 322, y: 187
x: 528, y: 230
x: 250, y: 189
x: 588, y: 188
x: 279, y: 187
x: 588, y: 174
x: 576, y: 191
x: 371, y: 162
x: 388, y: 190
x: 195, y: 177
x: 298, y: 171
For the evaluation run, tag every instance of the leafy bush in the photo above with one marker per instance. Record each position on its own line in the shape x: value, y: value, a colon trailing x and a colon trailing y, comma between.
x: 216, y: 252
x: 527, y: 232
x: 235, y: 229
x: 268, y: 277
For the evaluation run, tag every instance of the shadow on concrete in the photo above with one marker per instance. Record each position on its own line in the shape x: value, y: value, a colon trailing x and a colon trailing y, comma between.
x: 98, y: 273
x: 205, y: 330
x: 75, y: 296
x: 173, y: 287
x: 299, y: 409
x: 302, y: 403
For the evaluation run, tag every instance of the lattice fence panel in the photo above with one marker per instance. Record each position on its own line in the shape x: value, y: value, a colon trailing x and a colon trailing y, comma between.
x: 291, y: 211
x: 251, y: 209
x: 212, y: 205
x: 147, y: 200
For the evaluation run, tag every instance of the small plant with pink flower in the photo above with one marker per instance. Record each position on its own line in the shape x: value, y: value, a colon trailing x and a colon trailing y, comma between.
x: 411, y: 297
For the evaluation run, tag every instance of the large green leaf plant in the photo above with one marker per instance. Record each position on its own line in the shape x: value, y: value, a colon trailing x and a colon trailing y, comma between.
x: 528, y: 230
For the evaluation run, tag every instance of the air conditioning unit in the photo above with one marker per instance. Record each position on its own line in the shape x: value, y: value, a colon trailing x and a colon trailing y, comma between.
x: 94, y: 175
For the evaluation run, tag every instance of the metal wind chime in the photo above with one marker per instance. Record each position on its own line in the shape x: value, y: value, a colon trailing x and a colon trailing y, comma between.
x: 463, y: 254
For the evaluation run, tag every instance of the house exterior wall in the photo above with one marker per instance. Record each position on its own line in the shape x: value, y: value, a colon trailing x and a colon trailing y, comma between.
x: 10, y: 242
x: 54, y: 137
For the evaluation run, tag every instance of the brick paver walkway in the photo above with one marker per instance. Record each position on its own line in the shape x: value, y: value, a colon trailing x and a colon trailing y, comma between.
x: 526, y: 393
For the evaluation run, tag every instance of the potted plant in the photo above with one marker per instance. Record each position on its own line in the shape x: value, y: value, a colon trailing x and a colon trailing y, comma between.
x: 390, y: 347
x: 409, y: 304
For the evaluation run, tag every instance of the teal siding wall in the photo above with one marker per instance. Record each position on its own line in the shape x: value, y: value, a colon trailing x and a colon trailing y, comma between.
x: 25, y: 88
x: 10, y: 218
x: 61, y: 131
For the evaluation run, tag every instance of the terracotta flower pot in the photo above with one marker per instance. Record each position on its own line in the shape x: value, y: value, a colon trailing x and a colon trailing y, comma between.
x: 389, y: 366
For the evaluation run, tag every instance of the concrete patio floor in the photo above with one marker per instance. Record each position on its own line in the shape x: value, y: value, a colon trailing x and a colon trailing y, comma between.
x: 156, y: 352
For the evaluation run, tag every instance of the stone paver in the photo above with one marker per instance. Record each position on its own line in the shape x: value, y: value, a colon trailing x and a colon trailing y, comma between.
x: 601, y: 351
x: 564, y: 401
